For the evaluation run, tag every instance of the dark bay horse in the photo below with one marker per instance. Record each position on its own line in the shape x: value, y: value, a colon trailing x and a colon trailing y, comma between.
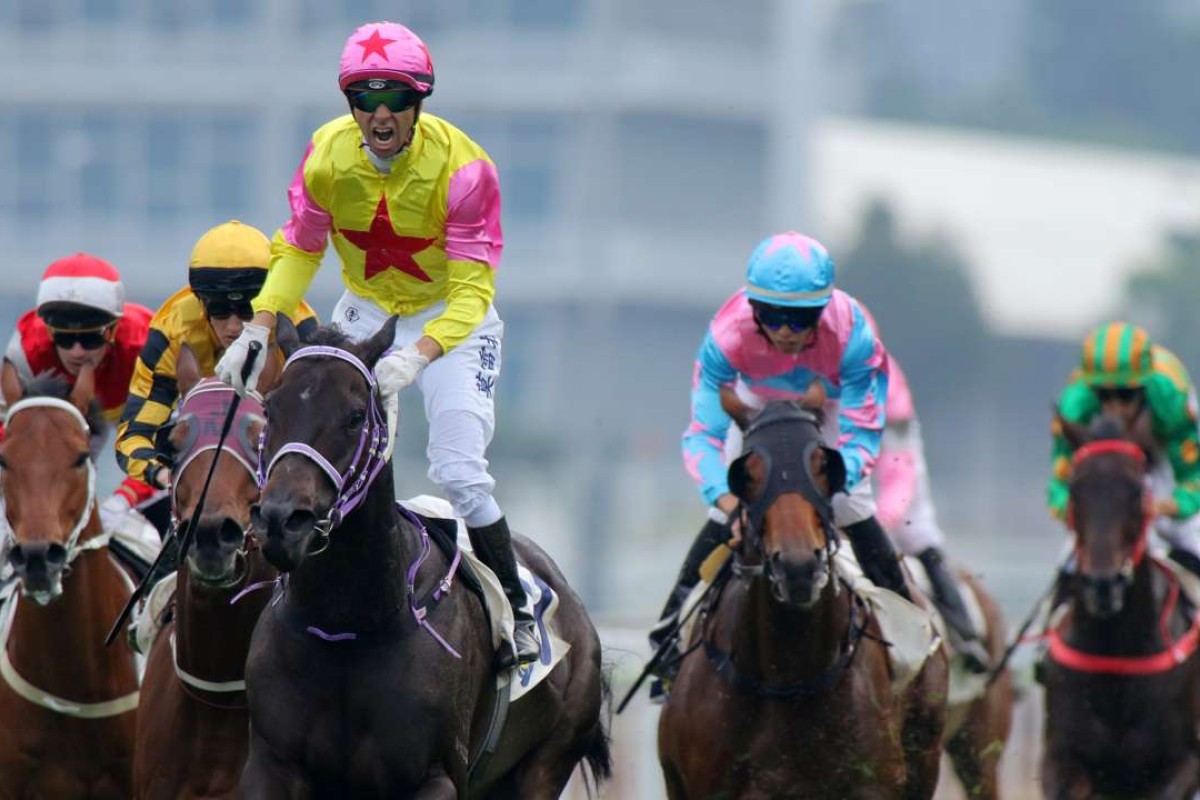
x: 66, y: 701
x: 371, y: 674
x: 193, y: 728
x: 1121, y: 675
x: 788, y: 691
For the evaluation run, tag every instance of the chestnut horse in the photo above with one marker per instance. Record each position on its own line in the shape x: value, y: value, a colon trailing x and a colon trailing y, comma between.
x: 193, y: 730
x: 788, y: 691
x: 371, y: 674
x: 1121, y: 675
x: 67, y: 702
x: 977, y: 728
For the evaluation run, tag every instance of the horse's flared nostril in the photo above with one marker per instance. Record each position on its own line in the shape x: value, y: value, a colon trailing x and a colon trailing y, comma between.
x: 37, y: 558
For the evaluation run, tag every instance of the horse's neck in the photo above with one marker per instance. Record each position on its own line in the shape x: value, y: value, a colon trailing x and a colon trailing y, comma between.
x: 358, y: 584
x: 788, y: 643
x: 60, y: 647
x: 212, y: 634
x: 1134, y: 630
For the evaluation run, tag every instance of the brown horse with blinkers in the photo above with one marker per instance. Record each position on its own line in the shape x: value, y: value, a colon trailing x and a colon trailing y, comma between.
x: 66, y: 701
x: 787, y: 691
x: 193, y: 730
x: 1121, y: 674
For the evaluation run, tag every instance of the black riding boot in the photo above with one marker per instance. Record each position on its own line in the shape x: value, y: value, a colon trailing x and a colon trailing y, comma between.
x: 711, y: 535
x: 1186, y: 559
x: 493, y: 544
x: 949, y: 600
x: 877, y: 556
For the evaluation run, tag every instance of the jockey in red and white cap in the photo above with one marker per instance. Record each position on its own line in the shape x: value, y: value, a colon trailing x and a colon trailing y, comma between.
x: 82, y: 319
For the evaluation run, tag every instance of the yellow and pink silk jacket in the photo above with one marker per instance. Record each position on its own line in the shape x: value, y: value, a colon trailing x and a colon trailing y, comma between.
x: 426, y: 231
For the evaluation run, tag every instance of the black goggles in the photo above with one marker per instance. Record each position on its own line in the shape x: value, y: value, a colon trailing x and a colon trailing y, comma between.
x: 222, y: 308
x: 90, y: 339
x: 1121, y: 394
x: 775, y: 317
x: 396, y: 100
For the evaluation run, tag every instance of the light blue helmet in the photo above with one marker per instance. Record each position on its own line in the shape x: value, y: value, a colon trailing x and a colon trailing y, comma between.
x: 790, y: 269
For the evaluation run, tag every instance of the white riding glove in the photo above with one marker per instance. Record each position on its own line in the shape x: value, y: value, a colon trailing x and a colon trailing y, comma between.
x: 398, y: 369
x: 229, y: 368
x: 113, y: 511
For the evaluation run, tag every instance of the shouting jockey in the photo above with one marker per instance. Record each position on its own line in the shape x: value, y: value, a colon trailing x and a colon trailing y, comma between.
x: 412, y: 206
x: 227, y: 269
x: 1123, y: 374
x: 82, y: 320
x: 788, y: 329
x: 906, y: 511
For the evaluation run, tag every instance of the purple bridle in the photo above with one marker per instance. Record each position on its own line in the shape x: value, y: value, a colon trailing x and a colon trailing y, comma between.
x: 368, y: 459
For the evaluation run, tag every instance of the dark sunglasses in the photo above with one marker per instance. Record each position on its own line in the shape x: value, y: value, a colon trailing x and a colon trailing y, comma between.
x: 1121, y: 394
x: 92, y: 339
x: 775, y: 317
x: 396, y: 100
x: 222, y: 308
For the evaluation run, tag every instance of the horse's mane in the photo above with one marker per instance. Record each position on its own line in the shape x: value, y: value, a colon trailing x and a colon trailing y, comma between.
x: 1106, y: 427
x: 51, y: 384
x: 330, y: 336
x: 779, y: 410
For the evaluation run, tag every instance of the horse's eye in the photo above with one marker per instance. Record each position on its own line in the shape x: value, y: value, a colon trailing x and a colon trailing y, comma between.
x: 3, y: 463
x: 356, y: 418
x: 82, y: 460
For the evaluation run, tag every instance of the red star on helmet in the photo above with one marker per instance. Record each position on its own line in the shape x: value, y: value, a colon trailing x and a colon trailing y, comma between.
x: 384, y: 249
x: 374, y: 45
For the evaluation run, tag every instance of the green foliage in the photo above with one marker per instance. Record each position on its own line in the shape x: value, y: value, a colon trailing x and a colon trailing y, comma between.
x: 921, y: 296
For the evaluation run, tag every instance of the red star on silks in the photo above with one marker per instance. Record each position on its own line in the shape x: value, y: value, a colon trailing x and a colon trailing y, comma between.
x: 385, y: 249
x: 374, y: 44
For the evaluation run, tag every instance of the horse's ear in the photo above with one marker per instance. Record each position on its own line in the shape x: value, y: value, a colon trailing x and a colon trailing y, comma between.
x: 179, y: 434
x: 372, y: 349
x: 733, y: 405
x: 834, y: 470
x: 10, y: 384
x: 271, y: 370
x: 187, y: 370
x: 746, y: 475
x: 286, y: 335
x: 84, y: 390
x: 1142, y: 432
x: 815, y: 396
x: 1075, y: 434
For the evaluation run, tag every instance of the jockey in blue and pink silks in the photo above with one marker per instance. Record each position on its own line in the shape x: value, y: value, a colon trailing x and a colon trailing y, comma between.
x: 789, y: 330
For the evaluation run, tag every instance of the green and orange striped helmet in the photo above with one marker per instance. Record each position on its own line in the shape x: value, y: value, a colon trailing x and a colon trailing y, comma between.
x: 1117, y: 355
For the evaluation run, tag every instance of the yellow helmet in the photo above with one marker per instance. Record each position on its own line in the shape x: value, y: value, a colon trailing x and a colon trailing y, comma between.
x: 231, y: 258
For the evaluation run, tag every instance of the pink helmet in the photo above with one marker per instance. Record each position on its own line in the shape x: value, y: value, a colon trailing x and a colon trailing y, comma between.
x: 386, y: 50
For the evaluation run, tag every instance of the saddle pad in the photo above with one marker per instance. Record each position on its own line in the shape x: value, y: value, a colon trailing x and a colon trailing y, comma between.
x: 910, y: 630
x: 148, y: 617
x: 138, y: 535
x: 540, y: 600
x: 965, y: 685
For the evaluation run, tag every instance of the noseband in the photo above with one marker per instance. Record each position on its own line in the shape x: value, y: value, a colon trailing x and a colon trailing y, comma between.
x: 72, y: 545
x: 368, y: 458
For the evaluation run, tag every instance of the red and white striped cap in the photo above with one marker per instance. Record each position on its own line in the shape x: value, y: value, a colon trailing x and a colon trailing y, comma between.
x: 83, y: 280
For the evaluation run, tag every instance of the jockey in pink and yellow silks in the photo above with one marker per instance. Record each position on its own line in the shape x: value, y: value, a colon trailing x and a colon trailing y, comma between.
x: 412, y: 206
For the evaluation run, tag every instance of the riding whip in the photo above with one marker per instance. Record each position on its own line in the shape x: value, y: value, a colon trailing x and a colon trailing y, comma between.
x: 1016, y: 642
x: 666, y: 647
x: 189, y: 532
